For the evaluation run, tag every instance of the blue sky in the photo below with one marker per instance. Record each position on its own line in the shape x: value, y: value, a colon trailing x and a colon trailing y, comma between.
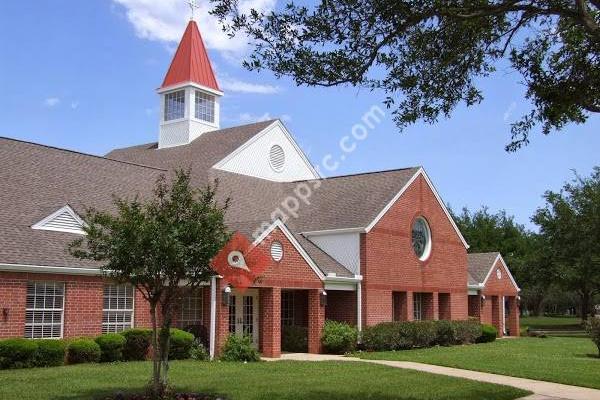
x: 82, y: 75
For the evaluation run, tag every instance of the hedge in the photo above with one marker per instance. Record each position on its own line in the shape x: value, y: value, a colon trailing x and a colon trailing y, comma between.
x: 181, y: 344
x: 389, y: 336
x: 83, y: 350
x: 137, y: 344
x: 50, y: 353
x: 17, y: 353
x: 488, y: 333
x: 111, y: 347
x: 238, y: 348
x: 338, y: 337
x: 294, y: 339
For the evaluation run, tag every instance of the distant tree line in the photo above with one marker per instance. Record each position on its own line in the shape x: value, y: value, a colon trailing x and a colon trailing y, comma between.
x: 557, y: 267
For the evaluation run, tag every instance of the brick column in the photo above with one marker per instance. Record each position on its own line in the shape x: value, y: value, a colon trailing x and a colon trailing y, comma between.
x: 497, y: 314
x: 270, y: 337
x: 436, y: 306
x: 409, y: 307
x: 222, y: 318
x: 316, y: 320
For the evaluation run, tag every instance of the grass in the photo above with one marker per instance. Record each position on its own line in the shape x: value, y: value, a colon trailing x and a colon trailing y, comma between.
x: 542, y: 323
x: 265, y: 380
x: 572, y: 361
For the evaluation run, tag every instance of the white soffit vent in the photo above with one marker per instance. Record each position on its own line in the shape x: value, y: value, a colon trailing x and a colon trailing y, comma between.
x: 277, y: 158
x: 63, y: 220
x: 277, y: 251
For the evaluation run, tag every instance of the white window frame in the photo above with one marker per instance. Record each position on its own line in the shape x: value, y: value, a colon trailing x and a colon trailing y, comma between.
x: 417, y: 306
x: 289, y: 309
x: 34, y: 309
x: 113, y: 327
x: 427, y: 249
x: 204, y: 108
x: 166, y: 113
x: 196, y: 293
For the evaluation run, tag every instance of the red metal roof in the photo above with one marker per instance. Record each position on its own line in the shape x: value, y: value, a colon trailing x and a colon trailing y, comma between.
x: 191, y: 62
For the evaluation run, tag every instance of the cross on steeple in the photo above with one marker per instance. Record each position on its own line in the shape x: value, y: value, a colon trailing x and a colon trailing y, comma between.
x: 193, y: 5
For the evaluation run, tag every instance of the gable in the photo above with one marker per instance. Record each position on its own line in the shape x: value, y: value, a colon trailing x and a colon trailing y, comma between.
x: 62, y: 220
x: 502, y: 281
x: 342, y: 247
x: 272, y: 154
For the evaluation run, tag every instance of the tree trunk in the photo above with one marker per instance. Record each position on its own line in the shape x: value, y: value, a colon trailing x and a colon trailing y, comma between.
x: 156, y: 367
x: 585, y: 304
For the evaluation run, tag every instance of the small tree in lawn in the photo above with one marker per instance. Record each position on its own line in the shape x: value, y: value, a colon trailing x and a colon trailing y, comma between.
x: 158, y: 246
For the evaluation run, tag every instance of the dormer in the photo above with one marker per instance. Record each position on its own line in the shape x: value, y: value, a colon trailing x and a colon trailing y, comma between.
x: 189, y: 94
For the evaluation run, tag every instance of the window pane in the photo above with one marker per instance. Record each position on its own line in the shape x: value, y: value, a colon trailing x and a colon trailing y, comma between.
x: 175, y: 105
x: 44, y: 310
x: 205, y: 107
x: 117, y: 314
x: 191, y: 308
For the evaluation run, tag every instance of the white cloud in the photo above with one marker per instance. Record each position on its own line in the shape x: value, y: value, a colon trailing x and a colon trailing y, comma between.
x: 235, y: 85
x: 74, y: 104
x: 165, y: 21
x: 51, y: 102
x: 248, y: 117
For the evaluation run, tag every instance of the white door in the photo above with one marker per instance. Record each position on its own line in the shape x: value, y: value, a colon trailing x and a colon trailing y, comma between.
x: 243, y: 314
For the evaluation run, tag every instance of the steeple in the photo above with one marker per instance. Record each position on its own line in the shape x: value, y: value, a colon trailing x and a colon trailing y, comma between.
x: 189, y: 93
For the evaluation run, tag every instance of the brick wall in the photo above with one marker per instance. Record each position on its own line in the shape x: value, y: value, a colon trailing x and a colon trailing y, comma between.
x: 388, y: 262
x: 495, y: 288
x: 341, y: 306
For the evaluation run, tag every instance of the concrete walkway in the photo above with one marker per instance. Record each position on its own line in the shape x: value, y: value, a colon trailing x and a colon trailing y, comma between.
x: 542, y: 390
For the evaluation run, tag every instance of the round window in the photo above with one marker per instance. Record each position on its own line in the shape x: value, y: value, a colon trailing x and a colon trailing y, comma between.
x: 498, y: 274
x: 421, y: 238
x: 277, y: 158
x: 276, y: 251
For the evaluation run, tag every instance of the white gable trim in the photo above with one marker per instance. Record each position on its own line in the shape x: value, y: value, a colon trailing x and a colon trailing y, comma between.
x: 505, y: 269
x: 293, y: 241
x: 43, y: 224
x: 420, y: 172
x: 276, y: 123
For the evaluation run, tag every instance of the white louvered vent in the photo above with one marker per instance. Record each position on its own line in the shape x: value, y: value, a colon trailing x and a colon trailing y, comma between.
x: 63, y: 220
x: 277, y: 251
x: 277, y: 158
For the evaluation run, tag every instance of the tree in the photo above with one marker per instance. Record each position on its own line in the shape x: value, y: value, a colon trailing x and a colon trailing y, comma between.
x: 570, y: 223
x: 158, y: 246
x: 522, y: 250
x: 433, y: 52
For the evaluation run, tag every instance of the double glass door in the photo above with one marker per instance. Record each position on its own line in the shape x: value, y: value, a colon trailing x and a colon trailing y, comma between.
x: 243, y: 314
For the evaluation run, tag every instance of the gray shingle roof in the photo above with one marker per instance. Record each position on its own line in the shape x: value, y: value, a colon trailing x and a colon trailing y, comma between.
x: 479, y: 265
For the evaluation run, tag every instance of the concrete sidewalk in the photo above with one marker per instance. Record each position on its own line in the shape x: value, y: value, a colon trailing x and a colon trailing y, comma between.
x: 542, y: 390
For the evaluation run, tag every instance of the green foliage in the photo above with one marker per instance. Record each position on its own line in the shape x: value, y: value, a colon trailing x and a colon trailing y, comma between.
x: 17, y: 353
x: 405, y: 335
x: 198, y: 352
x: 137, y: 343
x: 294, y: 339
x: 338, y: 337
x: 83, y: 351
x: 111, y: 346
x: 181, y: 344
x: 239, y: 348
x: 50, y: 353
x: 429, y: 56
x: 593, y: 329
x: 488, y: 333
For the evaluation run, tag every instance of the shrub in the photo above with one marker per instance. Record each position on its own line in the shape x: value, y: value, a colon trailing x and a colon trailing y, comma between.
x: 424, y: 333
x: 593, y: 329
x: 488, y: 333
x: 445, y: 333
x: 200, y: 333
x: 50, y: 353
x: 381, y: 337
x: 466, y: 332
x: 111, y: 347
x: 137, y: 343
x: 83, y: 351
x: 238, y: 348
x: 198, y: 352
x: 181, y: 343
x: 294, y: 339
x: 17, y: 353
x: 338, y: 337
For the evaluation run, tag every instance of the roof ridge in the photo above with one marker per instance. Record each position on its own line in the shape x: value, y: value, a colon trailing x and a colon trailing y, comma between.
x: 363, y: 173
x: 484, y: 252
x: 80, y: 153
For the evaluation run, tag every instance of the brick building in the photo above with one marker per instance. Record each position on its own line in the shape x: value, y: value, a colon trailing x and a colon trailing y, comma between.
x: 363, y: 248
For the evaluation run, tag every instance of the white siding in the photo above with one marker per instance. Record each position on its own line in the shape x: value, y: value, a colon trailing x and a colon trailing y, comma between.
x: 342, y: 247
x: 253, y: 158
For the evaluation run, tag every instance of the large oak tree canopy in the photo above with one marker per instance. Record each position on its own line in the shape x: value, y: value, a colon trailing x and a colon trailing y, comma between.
x: 427, y: 54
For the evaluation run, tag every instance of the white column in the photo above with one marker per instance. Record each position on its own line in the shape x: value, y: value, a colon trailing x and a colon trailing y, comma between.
x: 213, y: 316
x: 359, y: 306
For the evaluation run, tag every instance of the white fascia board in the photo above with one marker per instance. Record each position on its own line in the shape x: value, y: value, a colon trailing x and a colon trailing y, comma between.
x: 40, y: 225
x: 276, y: 123
x: 45, y: 269
x: 334, y: 231
x: 420, y: 172
x: 499, y: 257
x: 189, y: 83
x: 278, y: 224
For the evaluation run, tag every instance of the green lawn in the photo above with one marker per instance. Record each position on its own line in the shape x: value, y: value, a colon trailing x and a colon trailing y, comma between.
x: 266, y: 380
x: 572, y: 361
x: 566, y: 323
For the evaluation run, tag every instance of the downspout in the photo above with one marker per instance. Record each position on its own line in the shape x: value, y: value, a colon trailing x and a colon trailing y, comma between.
x: 213, y: 316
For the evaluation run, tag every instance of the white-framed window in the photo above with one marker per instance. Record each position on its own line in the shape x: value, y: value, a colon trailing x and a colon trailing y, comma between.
x: 204, y: 106
x: 117, y: 309
x: 287, y: 308
x: 174, y: 105
x: 192, y: 305
x: 277, y: 158
x: 276, y: 251
x: 417, y: 306
x: 421, y: 238
x: 44, y: 310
